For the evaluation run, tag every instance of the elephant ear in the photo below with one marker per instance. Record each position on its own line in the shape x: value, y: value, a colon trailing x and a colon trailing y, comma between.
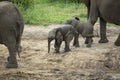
x: 51, y: 33
x: 59, y: 36
x: 69, y: 36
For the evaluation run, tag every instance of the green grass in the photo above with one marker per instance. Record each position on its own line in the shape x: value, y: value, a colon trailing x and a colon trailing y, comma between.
x: 46, y: 13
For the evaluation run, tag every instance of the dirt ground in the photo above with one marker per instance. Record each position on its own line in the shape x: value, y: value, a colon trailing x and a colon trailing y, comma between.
x: 100, y: 62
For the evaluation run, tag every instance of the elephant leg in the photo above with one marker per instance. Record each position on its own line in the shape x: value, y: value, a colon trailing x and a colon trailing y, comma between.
x: 117, y: 42
x: 67, y: 48
x: 57, y: 45
x: 69, y: 38
x: 76, y: 42
x: 89, y: 42
x: 103, y: 31
x: 12, y: 61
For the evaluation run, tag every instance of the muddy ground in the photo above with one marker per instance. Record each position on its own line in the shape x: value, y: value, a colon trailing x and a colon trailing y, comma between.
x: 100, y: 62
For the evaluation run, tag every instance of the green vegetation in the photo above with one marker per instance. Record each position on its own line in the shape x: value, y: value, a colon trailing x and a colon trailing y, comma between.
x: 46, y: 12
x: 25, y: 4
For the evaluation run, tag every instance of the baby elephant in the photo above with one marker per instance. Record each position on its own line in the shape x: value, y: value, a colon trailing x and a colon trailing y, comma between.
x: 64, y: 33
x: 81, y: 29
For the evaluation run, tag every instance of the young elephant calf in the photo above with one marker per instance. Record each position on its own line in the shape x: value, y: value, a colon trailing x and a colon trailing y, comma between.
x: 64, y: 33
x: 82, y: 29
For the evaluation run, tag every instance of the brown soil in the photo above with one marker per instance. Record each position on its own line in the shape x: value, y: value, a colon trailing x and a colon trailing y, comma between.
x: 100, y: 62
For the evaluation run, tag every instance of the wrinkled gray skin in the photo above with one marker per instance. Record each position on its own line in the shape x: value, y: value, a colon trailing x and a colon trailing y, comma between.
x: 107, y: 11
x: 81, y: 29
x: 11, y: 29
x: 64, y: 33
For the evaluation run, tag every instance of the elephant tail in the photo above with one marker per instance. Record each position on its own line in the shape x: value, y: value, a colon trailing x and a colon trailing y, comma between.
x: 18, y: 38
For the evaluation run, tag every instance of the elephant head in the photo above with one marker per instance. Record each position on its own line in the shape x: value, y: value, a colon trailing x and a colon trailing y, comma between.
x: 73, y: 21
x: 51, y: 36
x: 84, y: 28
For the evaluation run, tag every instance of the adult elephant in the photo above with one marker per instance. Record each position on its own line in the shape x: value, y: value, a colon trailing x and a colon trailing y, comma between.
x: 108, y: 11
x: 103, y: 38
x: 11, y: 29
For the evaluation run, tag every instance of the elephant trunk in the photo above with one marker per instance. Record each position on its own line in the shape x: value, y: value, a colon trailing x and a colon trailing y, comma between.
x: 49, y: 41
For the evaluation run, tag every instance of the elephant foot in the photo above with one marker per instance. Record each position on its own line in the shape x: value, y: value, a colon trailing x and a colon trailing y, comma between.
x: 67, y: 50
x: 57, y: 51
x: 88, y: 46
x: 103, y: 41
x: 77, y: 45
x: 12, y: 65
x: 8, y: 59
x: 87, y: 41
x: 117, y: 43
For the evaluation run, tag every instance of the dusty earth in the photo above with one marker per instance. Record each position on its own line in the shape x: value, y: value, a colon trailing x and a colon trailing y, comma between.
x: 100, y: 62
